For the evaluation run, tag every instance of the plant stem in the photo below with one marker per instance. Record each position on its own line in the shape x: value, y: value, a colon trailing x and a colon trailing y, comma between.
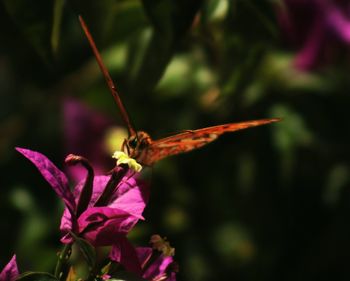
x: 62, y: 258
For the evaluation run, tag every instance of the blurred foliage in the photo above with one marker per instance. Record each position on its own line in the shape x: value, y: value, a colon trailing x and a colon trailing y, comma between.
x: 268, y: 203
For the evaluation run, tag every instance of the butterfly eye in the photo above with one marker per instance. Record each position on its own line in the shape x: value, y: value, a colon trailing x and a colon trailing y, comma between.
x: 132, y: 142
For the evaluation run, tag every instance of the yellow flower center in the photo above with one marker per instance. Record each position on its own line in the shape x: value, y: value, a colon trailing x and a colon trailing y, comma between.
x: 123, y: 158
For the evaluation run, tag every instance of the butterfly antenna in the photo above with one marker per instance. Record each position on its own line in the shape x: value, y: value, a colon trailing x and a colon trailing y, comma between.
x: 108, y: 78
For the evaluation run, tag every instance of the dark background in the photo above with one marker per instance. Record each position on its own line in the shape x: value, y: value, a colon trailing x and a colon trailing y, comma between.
x: 269, y: 203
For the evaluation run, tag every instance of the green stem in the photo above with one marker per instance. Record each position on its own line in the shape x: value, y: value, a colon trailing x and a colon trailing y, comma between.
x: 62, y: 259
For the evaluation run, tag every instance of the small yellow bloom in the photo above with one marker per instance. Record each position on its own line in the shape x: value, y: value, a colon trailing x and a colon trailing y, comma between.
x: 123, y: 158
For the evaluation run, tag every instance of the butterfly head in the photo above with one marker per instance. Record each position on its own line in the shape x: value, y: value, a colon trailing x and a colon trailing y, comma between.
x: 136, y: 145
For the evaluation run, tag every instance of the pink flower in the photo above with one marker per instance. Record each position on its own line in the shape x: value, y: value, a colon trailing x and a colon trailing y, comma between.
x: 100, y: 208
x: 317, y: 27
x: 154, y: 263
x: 161, y: 268
x: 10, y: 271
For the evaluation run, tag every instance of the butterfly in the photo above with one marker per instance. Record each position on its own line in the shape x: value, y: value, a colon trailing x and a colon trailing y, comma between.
x: 140, y: 145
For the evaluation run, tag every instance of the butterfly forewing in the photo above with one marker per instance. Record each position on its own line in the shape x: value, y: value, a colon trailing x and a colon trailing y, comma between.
x: 192, y: 139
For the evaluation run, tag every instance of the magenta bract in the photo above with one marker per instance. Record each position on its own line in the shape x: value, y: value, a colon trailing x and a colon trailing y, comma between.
x: 98, y: 224
x: 143, y: 261
x: 317, y: 28
x: 10, y: 271
x: 56, y: 178
x: 158, y: 268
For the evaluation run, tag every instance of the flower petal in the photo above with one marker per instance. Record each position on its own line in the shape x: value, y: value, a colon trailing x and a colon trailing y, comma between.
x: 53, y: 176
x: 66, y: 226
x: 100, y: 225
x: 158, y: 267
x: 338, y: 20
x: 144, y: 254
x: 120, y: 216
x: 66, y: 220
x: 99, y: 185
x: 10, y: 271
x: 131, y: 196
x: 124, y: 253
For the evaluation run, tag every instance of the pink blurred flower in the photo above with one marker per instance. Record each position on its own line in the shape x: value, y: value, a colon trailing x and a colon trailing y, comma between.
x: 85, y: 131
x: 10, y: 271
x: 318, y: 28
x: 100, y: 208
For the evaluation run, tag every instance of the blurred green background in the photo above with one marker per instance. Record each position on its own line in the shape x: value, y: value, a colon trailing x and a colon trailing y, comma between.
x: 270, y: 203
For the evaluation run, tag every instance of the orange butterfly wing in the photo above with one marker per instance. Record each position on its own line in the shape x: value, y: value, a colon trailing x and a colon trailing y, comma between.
x: 193, y: 139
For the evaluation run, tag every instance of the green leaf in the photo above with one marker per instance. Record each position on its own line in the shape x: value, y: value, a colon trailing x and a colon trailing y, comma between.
x: 56, y: 26
x: 87, y: 250
x: 170, y: 20
x: 97, y: 14
x: 36, y: 276
x: 171, y: 17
